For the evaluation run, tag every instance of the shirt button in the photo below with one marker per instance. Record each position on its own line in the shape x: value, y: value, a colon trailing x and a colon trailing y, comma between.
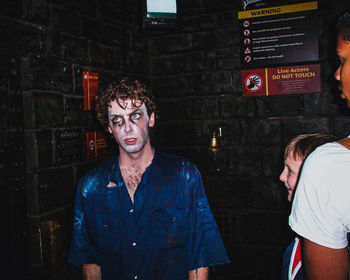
x: 131, y: 210
x: 135, y: 277
x: 134, y: 244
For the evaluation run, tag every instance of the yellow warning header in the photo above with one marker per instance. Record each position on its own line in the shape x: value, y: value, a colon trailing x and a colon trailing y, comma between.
x: 307, y: 6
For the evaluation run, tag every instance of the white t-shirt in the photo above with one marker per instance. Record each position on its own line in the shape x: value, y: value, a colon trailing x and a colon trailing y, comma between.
x: 321, y: 206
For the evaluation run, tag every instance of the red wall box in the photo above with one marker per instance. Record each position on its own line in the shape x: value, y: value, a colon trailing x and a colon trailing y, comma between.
x: 96, y: 144
x: 90, y: 83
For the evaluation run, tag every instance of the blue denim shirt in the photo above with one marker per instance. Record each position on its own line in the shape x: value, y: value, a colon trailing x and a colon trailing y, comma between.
x: 167, y: 231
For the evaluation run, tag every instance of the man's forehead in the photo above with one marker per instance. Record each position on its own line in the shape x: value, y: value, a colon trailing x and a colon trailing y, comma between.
x: 125, y: 106
x: 128, y: 103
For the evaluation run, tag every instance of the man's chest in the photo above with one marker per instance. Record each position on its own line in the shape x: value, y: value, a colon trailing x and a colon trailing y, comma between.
x: 157, y: 218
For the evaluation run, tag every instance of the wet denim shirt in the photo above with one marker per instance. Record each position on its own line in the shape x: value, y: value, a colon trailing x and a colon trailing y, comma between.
x: 167, y: 231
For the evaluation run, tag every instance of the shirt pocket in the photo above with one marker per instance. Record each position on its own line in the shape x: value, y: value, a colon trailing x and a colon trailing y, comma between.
x: 171, y: 228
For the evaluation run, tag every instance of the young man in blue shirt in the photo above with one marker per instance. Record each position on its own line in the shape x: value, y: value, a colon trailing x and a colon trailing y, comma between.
x: 144, y: 214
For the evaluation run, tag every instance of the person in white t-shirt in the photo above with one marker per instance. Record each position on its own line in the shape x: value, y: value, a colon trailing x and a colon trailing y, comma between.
x: 321, y: 207
x: 297, y: 150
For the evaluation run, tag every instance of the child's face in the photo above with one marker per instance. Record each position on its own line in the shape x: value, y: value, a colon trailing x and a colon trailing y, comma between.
x: 290, y: 175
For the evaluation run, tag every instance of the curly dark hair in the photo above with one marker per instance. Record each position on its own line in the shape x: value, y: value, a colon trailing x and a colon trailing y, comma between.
x: 125, y: 89
x: 343, y: 26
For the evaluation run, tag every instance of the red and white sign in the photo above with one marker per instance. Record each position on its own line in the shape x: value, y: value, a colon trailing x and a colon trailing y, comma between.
x: 96, y: 144
x: 90, y: 83
x: 253, y: 82
x: 281, y: 80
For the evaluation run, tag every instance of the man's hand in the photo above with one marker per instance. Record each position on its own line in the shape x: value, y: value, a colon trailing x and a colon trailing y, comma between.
x: 91, y: 272
x: 199, y: 274
x: 323, y: 263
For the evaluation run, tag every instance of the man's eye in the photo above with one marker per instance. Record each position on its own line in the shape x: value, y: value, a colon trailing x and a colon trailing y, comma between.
x: 135, y: 116
x: 117, y: 120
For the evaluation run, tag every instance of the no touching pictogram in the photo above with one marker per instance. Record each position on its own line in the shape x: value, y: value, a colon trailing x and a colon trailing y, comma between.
x: 253, y: 82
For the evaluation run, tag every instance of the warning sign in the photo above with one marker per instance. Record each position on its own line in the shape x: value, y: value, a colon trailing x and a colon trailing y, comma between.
x: 281, y: 80
x: 278, y: 32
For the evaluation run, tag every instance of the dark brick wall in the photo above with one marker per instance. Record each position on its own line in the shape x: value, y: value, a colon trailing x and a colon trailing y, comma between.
x: 195, y: 73
x: 53, y: 42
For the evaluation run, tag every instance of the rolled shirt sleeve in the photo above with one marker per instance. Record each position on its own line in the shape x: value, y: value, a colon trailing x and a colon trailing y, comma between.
x: 83, y: 249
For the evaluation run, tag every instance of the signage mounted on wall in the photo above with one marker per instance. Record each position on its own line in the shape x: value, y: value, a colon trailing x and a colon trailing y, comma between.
x: 96, y: 144
x: 278, y: 32
x: 281, y: 80
x: 90, y: 83
x: 69, y: 146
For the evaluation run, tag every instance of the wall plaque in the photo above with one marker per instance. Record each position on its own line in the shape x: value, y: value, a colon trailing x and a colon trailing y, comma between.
x: 68, y: 146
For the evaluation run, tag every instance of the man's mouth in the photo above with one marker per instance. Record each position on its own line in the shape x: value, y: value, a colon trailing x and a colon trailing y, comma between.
x: 130, y: 141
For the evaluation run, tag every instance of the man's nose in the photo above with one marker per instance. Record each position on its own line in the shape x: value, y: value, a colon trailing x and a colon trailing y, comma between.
x: 127, y: 127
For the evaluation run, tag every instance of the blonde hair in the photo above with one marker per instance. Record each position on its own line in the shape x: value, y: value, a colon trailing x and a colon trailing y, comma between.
x: 304, y: 144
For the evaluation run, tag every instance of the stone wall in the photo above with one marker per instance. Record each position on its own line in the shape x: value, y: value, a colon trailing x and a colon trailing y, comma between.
x: 53, y: 43
x: 194, y: 70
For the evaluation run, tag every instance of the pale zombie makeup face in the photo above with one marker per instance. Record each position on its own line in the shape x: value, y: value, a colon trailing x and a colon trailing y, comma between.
x: 343, y: 72
x: 130, y: 126
x: 290, y: 175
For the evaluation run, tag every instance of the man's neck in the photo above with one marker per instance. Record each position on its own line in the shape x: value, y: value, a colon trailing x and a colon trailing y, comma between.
x: 133, y: 165
x: 142, y: 158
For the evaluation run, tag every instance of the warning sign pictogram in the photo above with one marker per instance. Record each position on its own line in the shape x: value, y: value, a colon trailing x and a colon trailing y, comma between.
x: 247, y: 50
x: 253, y: 82
x: 246, y: 41
x: 248, y: 58
x: 246, y: 32
x: 246, y: 23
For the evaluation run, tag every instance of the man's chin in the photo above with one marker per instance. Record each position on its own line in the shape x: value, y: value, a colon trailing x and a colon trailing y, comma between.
x: 131, y: 149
